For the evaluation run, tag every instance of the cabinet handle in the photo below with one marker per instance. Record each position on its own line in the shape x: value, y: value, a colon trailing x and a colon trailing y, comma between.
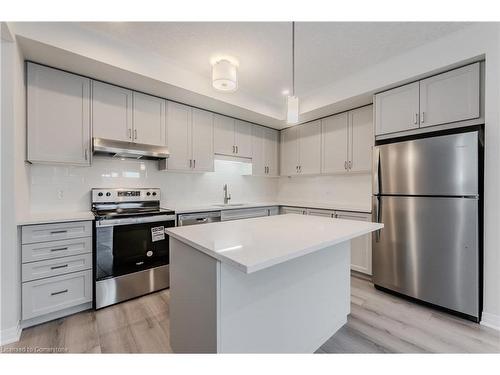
x: 416, y: 119
x: 422, y: 119
x: 233, y: 149
x: 135, y: 133
x: 345, y: 165
x: 130, y: 133
x: 300, y: 168
x: 57, y: 267
x: 194, y: 163
x: 86, y: 154
x: 350, y: 164
x: 297, y: 168
x: 58, y: 231
x: 59, y: 249
x: 60, y: 292
x: 236, y: 149
x: 190, y: 163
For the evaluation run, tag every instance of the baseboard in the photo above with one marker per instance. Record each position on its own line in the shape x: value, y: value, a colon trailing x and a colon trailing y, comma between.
x: 10, y: 335
x: 491, y: 320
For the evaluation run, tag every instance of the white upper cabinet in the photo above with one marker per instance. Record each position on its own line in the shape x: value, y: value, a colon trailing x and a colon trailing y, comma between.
x: 310, y: 148
x: 111, y: 112
x: 301, y: 149
x: 397, y: 109
x: 450, y: 97
x: 232, y: 137
x: 189, y: 138
x: 179, y: 136
x: 361, y: 139
x: 243, y: 138
x: 334, y: 141
x: 289, y: 151
x: 202, y: 140
x: 149, y: 119
x: 264, y: 151
x: 224, y: 135
x: 58, y: 116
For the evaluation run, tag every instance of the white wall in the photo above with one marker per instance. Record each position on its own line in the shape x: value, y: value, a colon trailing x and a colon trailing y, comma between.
x: 12, y: 117
x: 343, y: 191
x: 65, y: 188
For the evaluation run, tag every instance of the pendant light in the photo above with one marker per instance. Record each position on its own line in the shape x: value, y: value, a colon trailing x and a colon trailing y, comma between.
x: 292, y: 102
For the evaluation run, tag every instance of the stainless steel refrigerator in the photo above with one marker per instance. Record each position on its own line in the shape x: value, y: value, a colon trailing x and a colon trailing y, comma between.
x: 427, y: 194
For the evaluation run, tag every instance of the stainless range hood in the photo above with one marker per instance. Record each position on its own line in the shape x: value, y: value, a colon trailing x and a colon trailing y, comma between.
x: 129, y: 150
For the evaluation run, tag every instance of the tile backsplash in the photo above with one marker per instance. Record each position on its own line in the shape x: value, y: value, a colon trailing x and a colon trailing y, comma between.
x: 67, y: 188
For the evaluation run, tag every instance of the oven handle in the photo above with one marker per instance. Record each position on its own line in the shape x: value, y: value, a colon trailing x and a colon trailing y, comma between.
x: 133, y: 220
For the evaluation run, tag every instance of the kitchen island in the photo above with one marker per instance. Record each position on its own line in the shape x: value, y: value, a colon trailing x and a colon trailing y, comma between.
x: 276, y: 284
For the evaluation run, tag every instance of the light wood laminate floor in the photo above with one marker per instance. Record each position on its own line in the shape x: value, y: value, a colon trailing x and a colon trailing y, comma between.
x: 379, y: 323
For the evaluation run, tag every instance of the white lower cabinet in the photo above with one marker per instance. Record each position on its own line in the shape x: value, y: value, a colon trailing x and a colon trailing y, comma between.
x: 361, y: 247
x: 56, y: 269
x: 247, y: 213
x: 293, y: 210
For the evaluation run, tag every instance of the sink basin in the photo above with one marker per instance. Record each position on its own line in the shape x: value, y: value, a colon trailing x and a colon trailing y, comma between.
x: 230, y: 205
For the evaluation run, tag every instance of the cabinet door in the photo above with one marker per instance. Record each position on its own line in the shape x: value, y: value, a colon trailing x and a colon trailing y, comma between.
x: 361, y: 247
x: 289, y: 151
x: 310, y: 148
x: 111, y: 112
x: 271, y: 149
x: 397, y: 109
x: 334, y: 141
x: 149, y: 119
x: 361, y: 139
x: 449, y: 97
x: 58, y: 116
x: 259, y: 165
x: 179, y: 136
x: 243, y: 138
x: 202, y: 140
x: 224, y: 135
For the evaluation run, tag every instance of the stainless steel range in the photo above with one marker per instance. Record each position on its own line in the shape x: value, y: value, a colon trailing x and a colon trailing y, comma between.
x: 131, y: 247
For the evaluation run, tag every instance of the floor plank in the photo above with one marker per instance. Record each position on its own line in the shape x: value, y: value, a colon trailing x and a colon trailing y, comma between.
x: 379, y: 323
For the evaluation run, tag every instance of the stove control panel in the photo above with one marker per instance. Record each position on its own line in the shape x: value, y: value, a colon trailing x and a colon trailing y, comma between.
x: 125, y: 195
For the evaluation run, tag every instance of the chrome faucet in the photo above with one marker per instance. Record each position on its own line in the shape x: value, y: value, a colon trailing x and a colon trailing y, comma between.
x: 227, y: 196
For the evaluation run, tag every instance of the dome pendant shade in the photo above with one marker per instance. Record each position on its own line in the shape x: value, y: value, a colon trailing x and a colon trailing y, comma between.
x: 292, y: 110
x: 224, y: 76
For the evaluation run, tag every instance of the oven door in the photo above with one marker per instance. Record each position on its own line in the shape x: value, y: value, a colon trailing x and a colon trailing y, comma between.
x: 129, y: 245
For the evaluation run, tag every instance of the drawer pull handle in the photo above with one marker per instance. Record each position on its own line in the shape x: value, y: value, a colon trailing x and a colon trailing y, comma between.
x: 57, y: 267
x: 58, y: 231
x: 60, y: 292
x: 59, y: 249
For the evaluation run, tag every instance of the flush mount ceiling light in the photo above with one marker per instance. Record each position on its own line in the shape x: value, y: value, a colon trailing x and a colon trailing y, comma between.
x: 224, y: 76
x: 292, y: 102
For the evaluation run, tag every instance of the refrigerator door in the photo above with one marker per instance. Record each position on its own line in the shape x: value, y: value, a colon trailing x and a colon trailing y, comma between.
x: 428, y: 249
x: 443, y: 165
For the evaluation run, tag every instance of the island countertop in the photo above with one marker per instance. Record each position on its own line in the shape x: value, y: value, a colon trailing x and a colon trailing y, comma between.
x: 258, y: 243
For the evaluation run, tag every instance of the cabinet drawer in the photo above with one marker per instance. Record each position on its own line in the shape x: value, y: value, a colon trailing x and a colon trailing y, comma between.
x: 58, y: 231
x: 244, y: 213
x: 44, y: 296
x: 56, y: 267
x: 56, y: 249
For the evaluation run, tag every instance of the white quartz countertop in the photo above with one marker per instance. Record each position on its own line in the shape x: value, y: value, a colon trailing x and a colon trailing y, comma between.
x: 55, y: 217
x: 218, y: 207
x: 258, y: 243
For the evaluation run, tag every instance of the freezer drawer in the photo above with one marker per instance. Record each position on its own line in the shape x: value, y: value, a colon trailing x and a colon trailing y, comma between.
x: 429, y: 249
x: 443, y: 165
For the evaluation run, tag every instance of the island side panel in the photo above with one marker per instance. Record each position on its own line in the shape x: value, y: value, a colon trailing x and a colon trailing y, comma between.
x: 293, y: 307
x: 194, y: 279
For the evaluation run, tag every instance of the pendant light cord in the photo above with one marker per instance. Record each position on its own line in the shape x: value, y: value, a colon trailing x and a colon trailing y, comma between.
x: 293, y: 58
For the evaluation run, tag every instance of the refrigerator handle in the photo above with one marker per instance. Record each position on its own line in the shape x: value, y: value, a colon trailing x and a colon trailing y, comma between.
x: 376, y: 171
x: 378, y: 205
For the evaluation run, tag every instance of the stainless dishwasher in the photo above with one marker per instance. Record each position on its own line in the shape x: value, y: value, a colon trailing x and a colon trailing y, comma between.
x: 198, y: 218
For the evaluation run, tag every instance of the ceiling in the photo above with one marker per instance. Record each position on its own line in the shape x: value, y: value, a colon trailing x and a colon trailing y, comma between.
x: 325, y: 51
x: 178, y: 56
